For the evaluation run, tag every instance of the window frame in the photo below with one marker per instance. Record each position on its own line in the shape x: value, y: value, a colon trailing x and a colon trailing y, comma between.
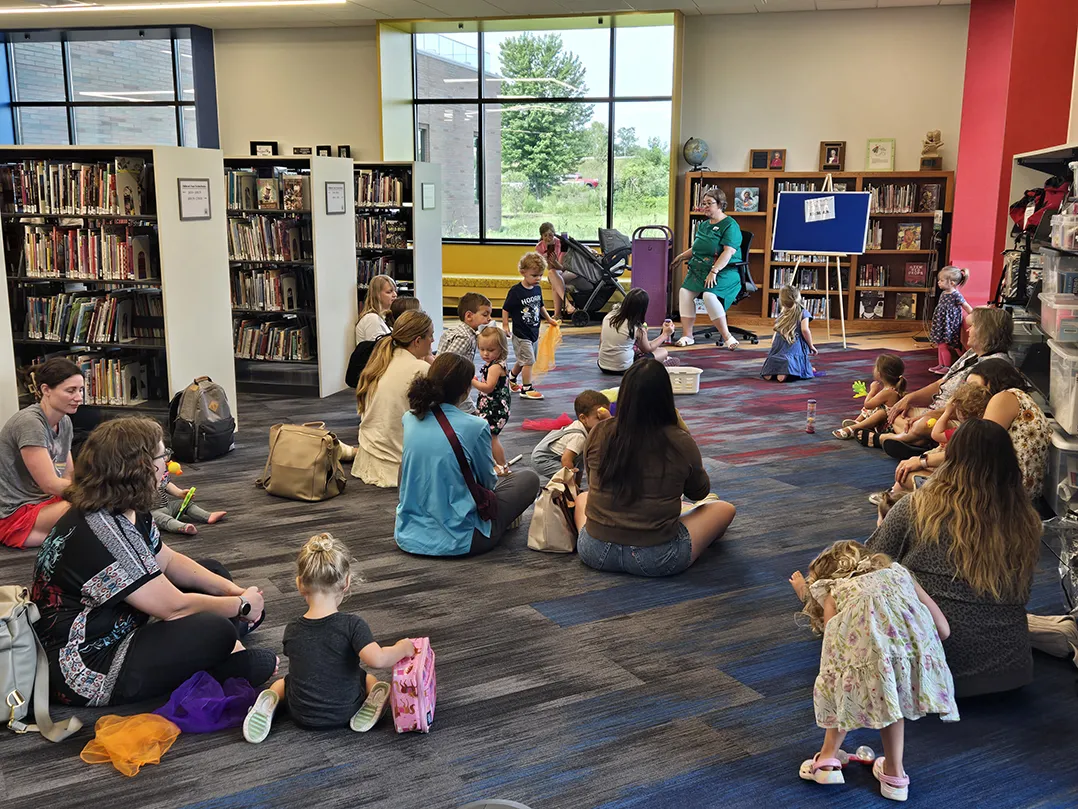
x: 65, y: 37
x: 482, y: 100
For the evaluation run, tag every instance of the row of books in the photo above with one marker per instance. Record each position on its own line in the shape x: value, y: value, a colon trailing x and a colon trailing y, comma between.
x: 893, y: 198
x: 120, y: 316
x: 367, y: 268
x: 378, y: 187
x: 110, y: 253
x: 874, y: 275
x: 377, y: 230
x: 130, y: 380
x: 57, y: 187
x: 271, y: 290
x: 907, y: 236
x: 805, y: 258
x: 806, y: 278
x: 872, y: 305
x: 875, y: 235
x: 289, y: 190
x: 283, y: 339
x: 817, y: 307
x: 791, y: 186
x: 266, y: 238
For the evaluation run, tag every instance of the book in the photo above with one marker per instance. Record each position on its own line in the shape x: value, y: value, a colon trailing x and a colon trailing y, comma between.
x: 930, y: 197
x: 892, y: 198
x: 909, y: 236
x: 905, y: 306
x: 296, y: 192
x: 916, y: 274
x: 129, y: 185
x: 870, y: 305
x: 267, y: 194
x: 747, y: 200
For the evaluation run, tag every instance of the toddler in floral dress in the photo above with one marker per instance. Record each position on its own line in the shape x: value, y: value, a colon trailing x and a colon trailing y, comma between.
x: 946, y: 331
x: 882, y: 660
x: 493, y: 387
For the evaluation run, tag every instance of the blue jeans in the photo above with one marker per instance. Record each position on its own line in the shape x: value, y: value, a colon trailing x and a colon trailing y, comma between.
x: 667, y: 559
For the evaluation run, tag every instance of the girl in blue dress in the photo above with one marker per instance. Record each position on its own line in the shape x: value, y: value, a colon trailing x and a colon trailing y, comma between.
x: 792, y: 344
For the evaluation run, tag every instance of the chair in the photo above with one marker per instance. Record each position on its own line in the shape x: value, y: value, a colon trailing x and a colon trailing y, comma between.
x: 748, y: 287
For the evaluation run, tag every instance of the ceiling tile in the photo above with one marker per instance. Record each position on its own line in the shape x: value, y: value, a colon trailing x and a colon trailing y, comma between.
x: 842, y: 5
x: 684, y: 6
x: 404, y: 9
x: 954, y: 2
x: 726, y: 6
x: 465, y: 8
x: 785, y: 5
x: 594, y: 6
x: 903, y: 3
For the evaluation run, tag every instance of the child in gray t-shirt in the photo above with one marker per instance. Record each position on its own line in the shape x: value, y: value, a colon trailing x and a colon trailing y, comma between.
x: 325, y: 686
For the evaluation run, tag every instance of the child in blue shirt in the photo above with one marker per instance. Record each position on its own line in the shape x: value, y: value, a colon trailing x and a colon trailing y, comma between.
x: 524, y: 307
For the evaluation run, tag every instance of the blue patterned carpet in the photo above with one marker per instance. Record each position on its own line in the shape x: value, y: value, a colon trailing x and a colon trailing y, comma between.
x: 564, y: 688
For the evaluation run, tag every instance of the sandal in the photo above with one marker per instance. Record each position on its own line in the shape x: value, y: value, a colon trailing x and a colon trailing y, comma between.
x: 371, y: 710
x: 684, y: 342
x: 812, y: 770
x: 256, y: 726
x: 869, y: 438
x: 892, y: 787
x: 851, y: 422
x: 731, y: 344
x: 842, y: 433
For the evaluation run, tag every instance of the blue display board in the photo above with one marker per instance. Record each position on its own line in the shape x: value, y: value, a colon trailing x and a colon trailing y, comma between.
x: 845, y: 234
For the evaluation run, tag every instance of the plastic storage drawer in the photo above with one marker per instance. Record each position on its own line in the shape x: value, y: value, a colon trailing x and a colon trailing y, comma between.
x: 1060, y: 272
x: 1061, y: 485
x: 1024, y: 336
x: 1063, y: 388
x: 1059, y: 316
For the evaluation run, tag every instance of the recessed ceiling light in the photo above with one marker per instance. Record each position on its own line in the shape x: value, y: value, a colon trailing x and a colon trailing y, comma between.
x: 170, y: 6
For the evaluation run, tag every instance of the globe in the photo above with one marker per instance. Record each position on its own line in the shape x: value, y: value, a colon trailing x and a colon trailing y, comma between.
x: 696, y: 152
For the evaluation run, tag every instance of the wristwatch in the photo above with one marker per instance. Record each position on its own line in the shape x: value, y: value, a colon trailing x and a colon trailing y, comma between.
x: 245, y: 607
x: 924, y: 460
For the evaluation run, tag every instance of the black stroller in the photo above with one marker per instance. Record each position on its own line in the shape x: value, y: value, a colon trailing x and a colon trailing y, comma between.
x: 596, y: 275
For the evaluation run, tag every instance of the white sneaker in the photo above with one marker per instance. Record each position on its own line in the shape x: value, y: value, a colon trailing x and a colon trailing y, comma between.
x: 685, y: 341
x: 1056, y: 635
x: 256, y: 726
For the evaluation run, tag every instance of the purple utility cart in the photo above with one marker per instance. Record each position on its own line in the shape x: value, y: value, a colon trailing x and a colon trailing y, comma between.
x: 652, y: 255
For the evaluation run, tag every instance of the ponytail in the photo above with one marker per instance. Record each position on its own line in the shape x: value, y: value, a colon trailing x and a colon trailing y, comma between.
x: 964, y: 277
x: 408, y: 328
x: 900, y: 386
x: 448, y: 380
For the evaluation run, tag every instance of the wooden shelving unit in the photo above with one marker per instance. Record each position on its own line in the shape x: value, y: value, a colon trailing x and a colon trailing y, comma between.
x: 47, y: 254
x: 313, y: 304
x: 763, y: 264
x: 412, y: 255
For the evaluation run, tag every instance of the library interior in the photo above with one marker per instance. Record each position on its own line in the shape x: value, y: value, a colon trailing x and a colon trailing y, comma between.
x: 323, y: 318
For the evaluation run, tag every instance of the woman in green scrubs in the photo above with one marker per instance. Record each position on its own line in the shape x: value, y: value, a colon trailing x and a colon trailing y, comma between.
x: 716, y: 245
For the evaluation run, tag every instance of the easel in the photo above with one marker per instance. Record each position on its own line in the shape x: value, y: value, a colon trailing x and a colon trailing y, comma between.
x: 828, y: 185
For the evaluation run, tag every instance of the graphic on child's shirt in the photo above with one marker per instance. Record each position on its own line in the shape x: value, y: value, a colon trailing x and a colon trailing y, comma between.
x: 529, y: 310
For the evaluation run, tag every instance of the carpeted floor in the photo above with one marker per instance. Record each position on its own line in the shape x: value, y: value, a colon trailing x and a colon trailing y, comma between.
x: 564, y: 688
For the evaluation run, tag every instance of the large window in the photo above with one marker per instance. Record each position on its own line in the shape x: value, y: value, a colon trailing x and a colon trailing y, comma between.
x: 95, y: 87
x: 569, y: 124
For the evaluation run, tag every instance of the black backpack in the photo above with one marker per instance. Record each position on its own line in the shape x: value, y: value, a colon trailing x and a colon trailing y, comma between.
x: 200, y: 422
x: 361, y: 355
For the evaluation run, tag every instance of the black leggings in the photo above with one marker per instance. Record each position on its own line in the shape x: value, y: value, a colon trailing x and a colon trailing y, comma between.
x: 164, y: 654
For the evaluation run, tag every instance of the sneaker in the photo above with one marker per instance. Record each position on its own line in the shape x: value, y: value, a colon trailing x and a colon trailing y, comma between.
x: 256, y: 726
x: 672, y: 362
x: 941, y: 370
x: 371, y: 710
x: 530, y: 393
x: 514, y: 385
x: 1056, y: 635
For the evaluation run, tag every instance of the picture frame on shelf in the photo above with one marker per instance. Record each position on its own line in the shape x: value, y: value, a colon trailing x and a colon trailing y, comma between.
x: 776, y: 160
x: 263, y: 148
x: 758, y: 159
x: 747, y: 199
x: 880, y: 154
x: 832, y: 155
x: 323, y: 151
x: 344, y: 151
x: 305, y: 150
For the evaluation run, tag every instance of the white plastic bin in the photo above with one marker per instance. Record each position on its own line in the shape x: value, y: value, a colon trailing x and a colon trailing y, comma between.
x: 1060, y: 272
x: 1063, y: 389
x: 1059, y: 316
x: 1025, y: 335
x: 1061, y: 485
x: 685, y: 379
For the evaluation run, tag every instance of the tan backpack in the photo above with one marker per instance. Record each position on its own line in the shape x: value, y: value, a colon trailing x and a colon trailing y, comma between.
x: 303, y: 463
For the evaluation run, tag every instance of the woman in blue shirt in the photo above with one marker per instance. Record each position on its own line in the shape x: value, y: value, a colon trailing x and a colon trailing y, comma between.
x: 437, y: 515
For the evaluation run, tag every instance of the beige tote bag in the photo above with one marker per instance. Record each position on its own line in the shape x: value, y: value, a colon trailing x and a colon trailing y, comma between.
x: 304, y: 463
x: 553, y: 527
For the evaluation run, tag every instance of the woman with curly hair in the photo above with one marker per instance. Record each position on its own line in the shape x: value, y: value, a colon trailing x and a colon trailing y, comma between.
x: 103, y: 573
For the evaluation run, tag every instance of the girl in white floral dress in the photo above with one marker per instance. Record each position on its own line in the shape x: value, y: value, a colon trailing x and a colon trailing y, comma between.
x: 882, y: 660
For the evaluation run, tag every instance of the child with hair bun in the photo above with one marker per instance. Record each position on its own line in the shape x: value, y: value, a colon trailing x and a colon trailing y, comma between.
x: 882, y: 660
x: 946, y: 331
x: 325, y: 686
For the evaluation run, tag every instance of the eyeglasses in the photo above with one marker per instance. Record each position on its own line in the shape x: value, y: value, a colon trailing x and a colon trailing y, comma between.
x: 166, y: 456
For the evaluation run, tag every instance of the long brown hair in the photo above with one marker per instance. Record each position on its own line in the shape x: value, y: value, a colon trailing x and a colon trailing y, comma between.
x: 409, y: 327
x: 976, y: 498
x: 115, y: 467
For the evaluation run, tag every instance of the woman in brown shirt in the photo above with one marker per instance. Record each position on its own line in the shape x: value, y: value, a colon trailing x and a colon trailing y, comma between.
x: 640, y: 463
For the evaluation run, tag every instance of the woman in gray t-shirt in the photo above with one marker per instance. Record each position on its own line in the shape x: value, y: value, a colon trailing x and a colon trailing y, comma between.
x: 35, y: 456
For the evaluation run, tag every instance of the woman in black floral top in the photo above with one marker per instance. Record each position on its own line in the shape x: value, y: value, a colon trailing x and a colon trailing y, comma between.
x: 103, y: 572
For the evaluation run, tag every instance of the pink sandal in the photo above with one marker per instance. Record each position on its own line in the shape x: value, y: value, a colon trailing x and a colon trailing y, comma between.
x: 812, y: 770
x: 892, y: 787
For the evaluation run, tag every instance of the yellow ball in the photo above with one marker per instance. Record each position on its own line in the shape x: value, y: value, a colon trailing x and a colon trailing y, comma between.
x: 174, y: 468
x: 931, y: 422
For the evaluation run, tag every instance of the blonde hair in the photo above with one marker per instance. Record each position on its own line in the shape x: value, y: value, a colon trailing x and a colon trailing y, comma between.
x: 323, y: 565
x: 970, y: 400
x: 956, y: 275
x: 976, y: 500
x: 408, y: 328
x: 789, y: 319
x: 493, y: 333
x: 373, y: 301
x: 531, y: 261
x: 845, y: 559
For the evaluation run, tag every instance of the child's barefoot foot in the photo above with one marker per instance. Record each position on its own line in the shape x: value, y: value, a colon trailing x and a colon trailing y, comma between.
x: 216, y: 516
x: 189, y: 528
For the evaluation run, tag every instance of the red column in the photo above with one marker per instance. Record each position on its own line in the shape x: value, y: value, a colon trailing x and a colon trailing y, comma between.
x: 1017, y: 94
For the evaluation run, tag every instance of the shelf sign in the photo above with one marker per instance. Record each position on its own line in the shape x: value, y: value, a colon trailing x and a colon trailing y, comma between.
x: 194, y: 199
x: 335, y: 202
x: 819, y: 209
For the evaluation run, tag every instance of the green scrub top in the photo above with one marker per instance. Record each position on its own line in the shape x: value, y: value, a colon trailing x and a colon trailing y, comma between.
x: 711, y: 238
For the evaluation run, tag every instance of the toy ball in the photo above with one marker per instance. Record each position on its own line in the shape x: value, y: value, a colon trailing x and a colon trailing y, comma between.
x: 174, y: 468
x: 932, y: 422
x: 604, y: 413
x: 865, y: 754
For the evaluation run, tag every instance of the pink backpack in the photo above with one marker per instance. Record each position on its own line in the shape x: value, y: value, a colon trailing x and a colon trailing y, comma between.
x: 414, y: 690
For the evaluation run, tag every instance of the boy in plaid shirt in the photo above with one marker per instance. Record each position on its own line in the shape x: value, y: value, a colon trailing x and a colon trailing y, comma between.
x: 474, y: 312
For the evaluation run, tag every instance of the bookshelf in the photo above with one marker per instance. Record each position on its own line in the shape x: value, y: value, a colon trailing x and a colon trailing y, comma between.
x: 99, y: 267
x: 396, y: 235
x: 877, y: 278
x: 291, y: 275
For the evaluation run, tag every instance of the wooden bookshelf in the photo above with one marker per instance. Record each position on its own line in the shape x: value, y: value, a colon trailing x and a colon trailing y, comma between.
x: 178, y: 266
x: 412, y: 255
x: 301, y: 291
x: 763, y: 262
